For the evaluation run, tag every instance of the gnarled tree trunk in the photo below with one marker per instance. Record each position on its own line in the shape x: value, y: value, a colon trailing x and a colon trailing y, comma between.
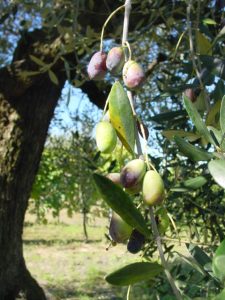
x: 24, y: 121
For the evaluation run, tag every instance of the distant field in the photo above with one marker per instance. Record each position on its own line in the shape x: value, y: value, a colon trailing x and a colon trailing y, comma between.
x: 69, y: 268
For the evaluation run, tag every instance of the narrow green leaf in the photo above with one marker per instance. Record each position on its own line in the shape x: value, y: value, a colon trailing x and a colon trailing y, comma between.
x: 190, y: 261
x: 169, y: 134
x: 195, y: 183
x: 179, y: 189
x: 168, y: 116
x: 193, y: 152
x: 133, y: 273
x: 121, y: 203
x: 219, y: 262
x: 121, y: 116
x: 53, y: 77
x: 200, y: 256
x: 217, y: 170
x: 38, y: 61
x: 178, y: 43
x: 209, y: 21
x: 197, y: 120
x: 203, y: 44
x: 222, y: 115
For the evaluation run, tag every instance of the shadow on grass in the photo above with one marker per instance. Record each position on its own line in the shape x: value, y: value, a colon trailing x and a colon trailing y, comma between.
x: 98, y: 292
x: 59, y: 242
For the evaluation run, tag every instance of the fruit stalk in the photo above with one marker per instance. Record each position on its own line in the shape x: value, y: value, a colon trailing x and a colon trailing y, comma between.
x: 105, y: 24
x: 140, y: 152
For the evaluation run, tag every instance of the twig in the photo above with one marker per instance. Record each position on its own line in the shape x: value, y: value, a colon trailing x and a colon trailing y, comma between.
x: 162, y: 257
x: 128, y: 292
x: 105, y: 24
x: 140, y: 152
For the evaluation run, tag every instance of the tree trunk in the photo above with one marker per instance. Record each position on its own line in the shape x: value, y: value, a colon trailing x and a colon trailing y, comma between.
x: 24, y: 123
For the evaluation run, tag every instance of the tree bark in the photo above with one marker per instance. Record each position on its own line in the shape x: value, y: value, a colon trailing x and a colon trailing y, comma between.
x: 26, y: 109
x: 24, y: 123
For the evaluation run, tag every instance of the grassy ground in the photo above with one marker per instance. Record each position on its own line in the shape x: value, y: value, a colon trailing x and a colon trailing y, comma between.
x: 69, y: 268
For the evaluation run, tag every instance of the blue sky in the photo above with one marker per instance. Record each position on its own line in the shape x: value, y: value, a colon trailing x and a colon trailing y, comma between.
x: 78, y: 103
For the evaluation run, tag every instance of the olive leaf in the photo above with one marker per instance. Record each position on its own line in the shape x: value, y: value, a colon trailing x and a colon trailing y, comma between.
x: 193, y: 152
x: 217, y: 170
x: 121, y: 116
x: 121, y: 203
x: 219, y: 262
x: 197, y: 120
x: 133, y: 273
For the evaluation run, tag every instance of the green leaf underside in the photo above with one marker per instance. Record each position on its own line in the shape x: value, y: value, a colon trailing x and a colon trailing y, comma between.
x: 197, y: 120
x: 133, y: 273
x: 121, y: 116
x: 192, y: 152
x: 217, y: 170
x: 195, y: 183
x: 219, y: 262
x: 222, y: 116
x: 121, y: 203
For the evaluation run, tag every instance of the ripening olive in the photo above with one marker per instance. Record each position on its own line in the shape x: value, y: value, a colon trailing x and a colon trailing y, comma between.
x: 136, y: 242
x: 115, y: 60
x: 97, y: 66
x: 153, y: 188
x: 133, y: 74
x: 106, y: 137
x: 114, y: 177
x: 119, y: 230
x: 132, y: 174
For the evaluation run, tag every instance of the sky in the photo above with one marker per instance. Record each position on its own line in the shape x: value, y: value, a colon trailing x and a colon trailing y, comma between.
x: 68, y: 106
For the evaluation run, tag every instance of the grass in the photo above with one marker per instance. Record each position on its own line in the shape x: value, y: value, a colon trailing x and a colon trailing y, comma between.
x: 69, y: 268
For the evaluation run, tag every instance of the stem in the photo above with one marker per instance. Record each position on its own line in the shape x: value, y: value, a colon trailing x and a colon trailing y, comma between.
x: 106, y: 22
x: 140, y: 152
x: 129, y: 50
x: 192, y: 52
x: 128, y: 292
x: 105, y: 107
x: 126, y: 21
x: 161, y: 254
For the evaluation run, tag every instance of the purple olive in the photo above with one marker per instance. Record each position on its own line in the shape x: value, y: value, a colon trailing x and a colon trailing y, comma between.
x: 135, y: 242
x: 97, y: 66
x: 190, y: 93
x: 133, y: 74
x: 133, y: 173
x: 115, y: 60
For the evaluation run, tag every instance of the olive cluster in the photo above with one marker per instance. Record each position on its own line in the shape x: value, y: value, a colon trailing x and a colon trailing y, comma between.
x: 114, y: 62
x: 134, y: 178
